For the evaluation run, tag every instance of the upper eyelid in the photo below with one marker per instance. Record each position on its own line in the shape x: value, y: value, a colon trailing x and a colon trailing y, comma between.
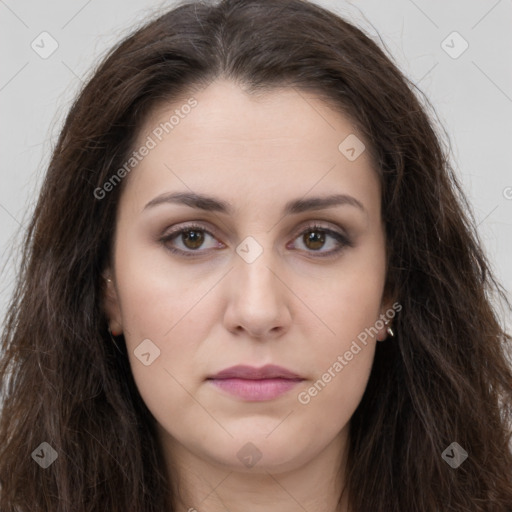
x: 190, y: 227
x: 199, y: 225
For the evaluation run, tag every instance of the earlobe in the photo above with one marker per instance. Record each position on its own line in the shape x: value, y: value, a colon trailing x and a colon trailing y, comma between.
x: 111, y: 305
x: 388, y: 312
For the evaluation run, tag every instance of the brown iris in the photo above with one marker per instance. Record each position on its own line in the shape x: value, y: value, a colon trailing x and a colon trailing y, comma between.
x: 317, y: 238
x: 193, y: 237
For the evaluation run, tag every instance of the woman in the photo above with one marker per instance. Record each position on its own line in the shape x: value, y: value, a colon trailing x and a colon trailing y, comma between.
x: 244, y: 201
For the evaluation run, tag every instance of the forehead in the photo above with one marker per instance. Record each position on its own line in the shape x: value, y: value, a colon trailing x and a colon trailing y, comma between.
x: 286, y: 140
x: 227, y: 115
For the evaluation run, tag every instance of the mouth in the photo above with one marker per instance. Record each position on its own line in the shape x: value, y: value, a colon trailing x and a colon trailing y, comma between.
x: 255, y: 384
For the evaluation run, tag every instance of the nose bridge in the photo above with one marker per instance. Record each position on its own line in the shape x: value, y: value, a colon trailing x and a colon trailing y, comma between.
x: 255, y: 266
x: 257, y: 303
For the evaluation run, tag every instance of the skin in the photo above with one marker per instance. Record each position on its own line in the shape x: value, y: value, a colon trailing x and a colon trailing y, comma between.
x: 290, y: 306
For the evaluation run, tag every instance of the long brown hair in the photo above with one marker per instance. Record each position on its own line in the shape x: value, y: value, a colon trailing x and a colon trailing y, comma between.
x: 444, y: 378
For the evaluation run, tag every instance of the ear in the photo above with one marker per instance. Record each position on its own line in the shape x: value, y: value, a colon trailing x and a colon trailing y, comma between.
x: 389, y: 309
x: 110, y: 303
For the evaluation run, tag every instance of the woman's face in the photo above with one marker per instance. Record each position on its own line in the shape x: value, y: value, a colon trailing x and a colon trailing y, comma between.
x: 249, y: 281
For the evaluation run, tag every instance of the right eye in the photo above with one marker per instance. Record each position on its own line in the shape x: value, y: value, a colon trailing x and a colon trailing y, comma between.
x: 191, y: 237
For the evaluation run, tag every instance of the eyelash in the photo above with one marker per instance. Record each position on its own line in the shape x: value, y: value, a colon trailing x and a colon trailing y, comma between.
x: 342, y: 240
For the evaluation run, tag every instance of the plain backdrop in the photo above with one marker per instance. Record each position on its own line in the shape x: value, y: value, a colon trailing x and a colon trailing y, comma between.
x: 457, y: 52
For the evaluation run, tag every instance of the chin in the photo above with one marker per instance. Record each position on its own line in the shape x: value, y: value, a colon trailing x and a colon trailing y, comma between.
x: 254, y: 451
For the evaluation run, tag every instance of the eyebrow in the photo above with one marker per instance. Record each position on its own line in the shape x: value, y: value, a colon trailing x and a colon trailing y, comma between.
x: 212, y: 204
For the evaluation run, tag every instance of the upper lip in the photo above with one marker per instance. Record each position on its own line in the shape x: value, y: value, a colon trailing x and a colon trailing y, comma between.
x: 269, y: 371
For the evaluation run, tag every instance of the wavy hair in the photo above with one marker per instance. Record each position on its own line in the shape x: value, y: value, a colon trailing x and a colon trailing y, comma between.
x: 445, y: 376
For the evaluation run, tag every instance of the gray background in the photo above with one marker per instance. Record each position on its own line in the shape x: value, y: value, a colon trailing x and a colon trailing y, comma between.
x: 472, y: 93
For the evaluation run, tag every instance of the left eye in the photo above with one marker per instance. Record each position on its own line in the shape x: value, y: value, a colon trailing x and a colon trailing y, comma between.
x: 314, y: 238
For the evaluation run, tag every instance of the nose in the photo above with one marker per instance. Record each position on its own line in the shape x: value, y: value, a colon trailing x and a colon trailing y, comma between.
x: 258, y: 303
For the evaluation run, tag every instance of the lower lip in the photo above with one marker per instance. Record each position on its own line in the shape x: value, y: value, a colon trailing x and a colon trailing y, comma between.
x: 256, y: 390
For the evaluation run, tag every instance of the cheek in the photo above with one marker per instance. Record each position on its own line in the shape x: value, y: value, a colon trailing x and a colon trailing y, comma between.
x: 338, y: 388
x: 344, y: 342
x: 169, y: 382
x: 346, y: 301
x: 341, y: 360
x: 160, y: 312
x: 174, y: 315
x: 156, y: 298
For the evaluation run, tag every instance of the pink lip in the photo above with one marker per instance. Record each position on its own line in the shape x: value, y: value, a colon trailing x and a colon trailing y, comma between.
x: 256, y: 384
